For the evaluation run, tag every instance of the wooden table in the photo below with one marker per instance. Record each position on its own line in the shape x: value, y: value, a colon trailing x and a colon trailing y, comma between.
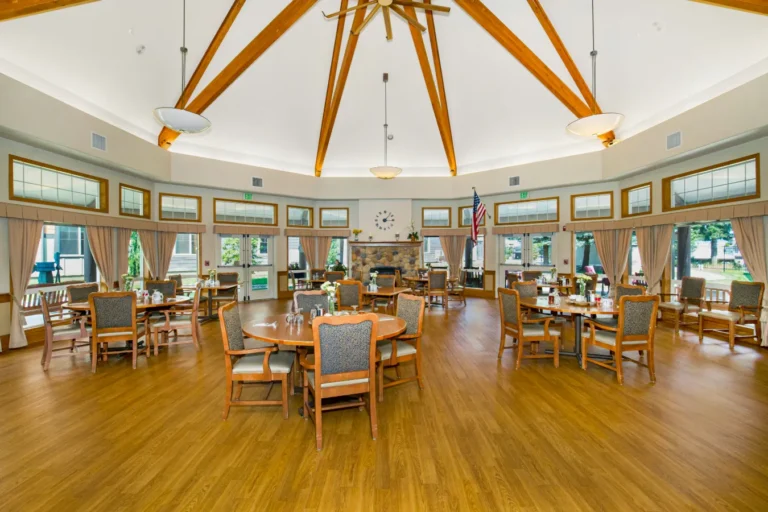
x: 554, y: 285
x: 85, y: 307
x: 579, y: 312
x: 211, y: 314
x: 390, y: 293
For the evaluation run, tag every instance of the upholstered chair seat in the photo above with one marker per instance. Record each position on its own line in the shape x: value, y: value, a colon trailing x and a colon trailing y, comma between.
x: 733, y: 316
x: 72, y: 330
x: 403, y: 349
x: 279, y: 362
x: 678, y: 306
x: 335, y: 384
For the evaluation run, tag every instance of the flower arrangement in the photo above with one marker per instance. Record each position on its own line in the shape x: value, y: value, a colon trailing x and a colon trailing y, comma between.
x: 356, y: 232
x: 413, y: 235
x: 553, y: 273
x: 582, y: 280
x: 127, y: 282
x: 330, y: 289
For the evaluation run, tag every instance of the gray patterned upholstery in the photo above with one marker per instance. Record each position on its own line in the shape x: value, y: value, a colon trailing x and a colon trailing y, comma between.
x: 744, y: 294
x: 638, y: 317
x: 176, y: 278
x: 606, y: 320
x: 345, y: 348
x: 225, y: 279
x: 410, y: 310
x: 167, y: 288
x: 403, y: 349
x: 622, y: 291
x: 531, y: 275
x: 386, y: 281
x: 527, y: 291
x: 693, y: 288
x: 349, y: 295
x: 234, y: 328
x: 438, y: 280
x: 509, y: 305
x: 279, y: 362
x: 112, y: 312
x: 334, y: 276
x: 307, y: 301
x: 81, y: 293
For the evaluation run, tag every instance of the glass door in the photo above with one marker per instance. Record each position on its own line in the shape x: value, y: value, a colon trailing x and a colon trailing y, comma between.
x: 251, y: 257
x: 529, y: 251
x: 512, y: 256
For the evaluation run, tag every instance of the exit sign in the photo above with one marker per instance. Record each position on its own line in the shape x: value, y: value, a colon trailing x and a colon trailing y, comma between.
x: 523, y: 195
x: 247, y: 196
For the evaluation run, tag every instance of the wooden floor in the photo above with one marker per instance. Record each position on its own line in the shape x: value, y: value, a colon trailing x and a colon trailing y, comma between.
x: 481, y: 436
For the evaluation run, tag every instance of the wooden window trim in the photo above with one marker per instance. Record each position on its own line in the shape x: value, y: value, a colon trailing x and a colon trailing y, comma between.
x: 103, y: 186
x: 333, y: 227
x: 496, y: 211
x: 666, y: 185
x: 217, y: 199
x: 625, y: 200
x: 461, y: 217
x: 147, y: 214
x: 199, y: 207
x: 311, y: 216
x: 589, y: 194
x: 450, y: 216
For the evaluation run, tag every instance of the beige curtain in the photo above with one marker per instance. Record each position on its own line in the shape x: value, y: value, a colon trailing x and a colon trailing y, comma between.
x: 323, y: 246
x: 654, y: 243
x: 24, y: 240
x: 149, y: 248
x: 165, y: 244
x: 750, y: 238
x: 123, y: 243
x: 453, y: 248
x: 308, y: 245
x: 101, y: 240
x: 613, y: 249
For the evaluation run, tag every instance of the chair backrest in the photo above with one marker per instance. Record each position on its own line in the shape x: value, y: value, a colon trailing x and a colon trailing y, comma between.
x: 345, y: 347
x: 226, y: 278
x: 306, y: 300
x: 693, y: 289
x: 411, y: 309
x: 526, y: 289
x: 350, y: 293
x: 196, y: 301
x: 637, y: 317
x: 113, y: 312
x: 511, y: 277
x: 167, y: 288
x: 509, y: 307
x: 531, y: 275
x: 80, y: 292
x: 176, y: 278
x: 437, y: 280
x: 623, y: 290
x: 317, y: 273
x: 44, y: 307
x: 231, y: 327
x: 386, y: 281
x: 746, y: 294
x: 592, y: 283
x: 334, y: 275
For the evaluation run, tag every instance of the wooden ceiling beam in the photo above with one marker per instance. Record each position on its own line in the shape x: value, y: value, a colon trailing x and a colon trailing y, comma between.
x: 753, y: 6
x: 19, y: 8
x: 332, y: 109
x: 247, y: 56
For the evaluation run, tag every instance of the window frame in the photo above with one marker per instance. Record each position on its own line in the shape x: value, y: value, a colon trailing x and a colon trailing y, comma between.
x: 590, y: 194
x: 169, y: 194
x: 666, y: 185
x: 461, y: 217
x: 147, y: 201
x: 496, y: 211
x: 625, y: 200
x: 450, y: 216
x: 217, y: 199
x: 311, y: 216
x: 103, y: 186
x: 322, y: 209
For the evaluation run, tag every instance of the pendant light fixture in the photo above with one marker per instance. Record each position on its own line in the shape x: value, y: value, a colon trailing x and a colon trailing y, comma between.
x: 178, y: 119
x: 385, y: 172
x: 596, y: 124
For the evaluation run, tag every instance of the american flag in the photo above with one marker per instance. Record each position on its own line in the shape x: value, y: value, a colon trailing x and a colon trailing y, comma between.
x: 478, y: 213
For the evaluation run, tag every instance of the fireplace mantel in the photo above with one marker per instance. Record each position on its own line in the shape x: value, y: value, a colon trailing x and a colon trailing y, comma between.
x: 385, y: 243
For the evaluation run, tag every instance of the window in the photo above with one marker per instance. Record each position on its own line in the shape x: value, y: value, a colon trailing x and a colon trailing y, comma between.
x: 296, y: 258
x: 436, y: 217
x: 587, y: 260
x: 135, y: 261
x: 513, y: 250
x: 433, y: 251
x: 592, y: 206
x: 244, y: 212
x: 180, y: 208
x: 337, y: 252
x: 334, y: 217
x: 135, y: 202
x: 529, y: 250
x: 541, y: 250
x: 465, y: 217
x: 185, y: 258
x: 528, y: 211
x: 36, y: 182
x: 300, y: 216
x: 636, y: 200
x: 730, y: 181
x: 474, y: 262
x: 230, y: 250
x: 708, y: 250
x: 635, y: 265
x: 61, y: 256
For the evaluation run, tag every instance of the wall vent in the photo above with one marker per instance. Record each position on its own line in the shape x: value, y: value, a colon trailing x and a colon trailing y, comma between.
x: 514, y: 181
x: 674, y: 140
x: 257, y: 182
x: 98, y: 142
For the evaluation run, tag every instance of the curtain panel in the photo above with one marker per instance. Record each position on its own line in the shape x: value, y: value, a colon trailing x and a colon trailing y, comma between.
x: 750, y: 238
x: 148, y: 241
x: 101, y: 241
x: 24, y: 237
x: 613, y: 249
x: 654, y: 244
x: 323, y: 248
x: 165, y: 245
x: 308, y: 246
x: 453, y: 248
x: 123, y: 244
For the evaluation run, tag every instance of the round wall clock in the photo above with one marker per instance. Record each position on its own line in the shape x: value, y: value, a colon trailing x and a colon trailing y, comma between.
x: 385, y: 220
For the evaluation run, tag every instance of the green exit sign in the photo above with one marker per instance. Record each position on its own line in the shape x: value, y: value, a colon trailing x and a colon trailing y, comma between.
x: 247, y: 196
x: 523, y: 195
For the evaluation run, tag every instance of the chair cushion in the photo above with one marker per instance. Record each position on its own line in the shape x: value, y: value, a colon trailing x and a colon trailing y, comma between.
x: 70, y: 330
x: 139, y: 333
x: 530, y: 330
x: 311, y: 377
x: 678, y: 306
x: 731, y: 316
x: 175, y: 321
x: 279, y: 362
x: 609, y: 338
x: 403, y: 349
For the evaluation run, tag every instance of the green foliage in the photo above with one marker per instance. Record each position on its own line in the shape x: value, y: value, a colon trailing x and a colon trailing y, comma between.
x: 333, y: 253
x: 230, y: 251
x: 134, y: 255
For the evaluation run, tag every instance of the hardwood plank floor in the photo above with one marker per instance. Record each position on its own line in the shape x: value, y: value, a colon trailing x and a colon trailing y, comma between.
x: 480, y: 436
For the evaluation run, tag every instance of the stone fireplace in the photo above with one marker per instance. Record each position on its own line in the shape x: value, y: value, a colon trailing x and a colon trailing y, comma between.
x: 384, y: 256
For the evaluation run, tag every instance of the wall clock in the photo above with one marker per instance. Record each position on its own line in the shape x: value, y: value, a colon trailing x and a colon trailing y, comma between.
x: 385, y: 220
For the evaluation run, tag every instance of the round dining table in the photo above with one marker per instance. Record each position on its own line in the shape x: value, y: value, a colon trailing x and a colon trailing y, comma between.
x: 84, y: 307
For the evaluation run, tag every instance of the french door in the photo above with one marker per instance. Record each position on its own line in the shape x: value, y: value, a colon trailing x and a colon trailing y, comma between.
x: 252, y: 257
x: 529, y: 251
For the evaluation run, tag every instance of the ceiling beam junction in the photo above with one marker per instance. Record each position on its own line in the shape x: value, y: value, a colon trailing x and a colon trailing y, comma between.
x: 753, y: 6
x: 19, y: 8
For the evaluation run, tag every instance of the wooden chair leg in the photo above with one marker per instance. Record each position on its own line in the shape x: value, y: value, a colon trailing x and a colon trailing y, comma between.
x: 284, y: 388
x: 238, y: 390
x: 135, y: 351
x: 156, y: 336
x: 228, y: 397
x: 701, y: 330
x: 94, y: 355
x: 319, y: 422
x: 502, y: 342
x: 372, y: 412
x: 556, y: 350
x: 584, y: 347
x: 731, y: 335
x: 677, y: 324
x: 381, y: 381
x: 45, y: 350
x: 305, y: 390
x: 651, y: 365
x: 617, y: 356
x: 418, y: 370
x: 520, y: 346
x: 195, y: 340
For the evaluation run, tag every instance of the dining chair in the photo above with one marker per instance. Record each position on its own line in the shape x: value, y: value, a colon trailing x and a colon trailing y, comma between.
x: 176, y: 278
x: 316, y: 274
x: 181, y: 317
x: 510, y: 278
x: 334, y: 275
x: 635, y: 330
x: 80, y: 292
x: 349, y: 293
x: 344, y: 364
x: 529, y: 290
x: 113, y: 318
x: 61, y: 327
x: 437, y: 286
x: 166, y: 287
x: 688, y: 299
x: 622, y: 290
x: 227, y: 278
x: 744, y: 309
x: 524, y: 330
x: 458, y: 289
x: 307, y: 300
x: 387, y: 281
x: 531, y: 275
x: 262, y: 363
x: 406, y: 347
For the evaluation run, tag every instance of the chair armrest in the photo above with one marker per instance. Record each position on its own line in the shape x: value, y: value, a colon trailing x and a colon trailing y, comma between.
x: 592, y: 323
x: 743, y: 310
x: 250, y: 351
x: 546, y: 322
x: 306, y: 364
x: 57, y: 323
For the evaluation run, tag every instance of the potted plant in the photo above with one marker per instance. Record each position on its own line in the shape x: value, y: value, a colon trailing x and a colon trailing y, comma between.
x: 356, y: 232
x: 339, y: 267
x: 413, y: 235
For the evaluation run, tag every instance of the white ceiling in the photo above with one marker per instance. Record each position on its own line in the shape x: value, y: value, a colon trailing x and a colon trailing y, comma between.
x: 657, y: 58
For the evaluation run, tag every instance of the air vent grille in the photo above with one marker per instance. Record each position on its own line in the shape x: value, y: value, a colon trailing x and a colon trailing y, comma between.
x: 257, y: 182
x: 98, y: 142
x: 514, y: 181
x: 674, y: 140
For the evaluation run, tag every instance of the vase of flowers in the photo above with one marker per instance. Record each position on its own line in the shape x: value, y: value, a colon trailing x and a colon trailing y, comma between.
x: 330, y: 289
x: 413, y: 235
x: 553, y: 274
x: 127, y: 282
x: 581, y: 281
x: 374, y: 275
x: 356, y: 232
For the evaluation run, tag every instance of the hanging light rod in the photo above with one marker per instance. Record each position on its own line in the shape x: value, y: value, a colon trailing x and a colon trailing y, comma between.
x: 385, y: 172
